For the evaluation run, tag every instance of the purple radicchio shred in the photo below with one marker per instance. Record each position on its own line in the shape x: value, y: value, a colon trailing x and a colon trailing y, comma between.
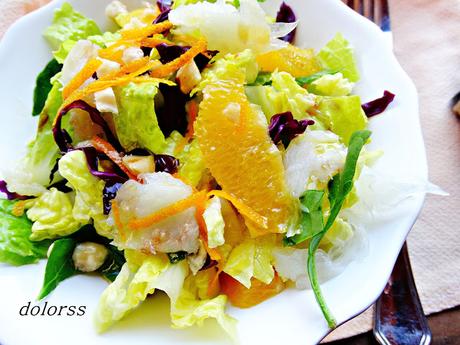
x: 166, y: 163
x: 283, y: 127
x: 92, y: 161
x: 163, y: 16
x: 108, y: 194
x: 146, y: 50
x: 62, y: 138
x: 11, y: 195
x: 286, y: 15
x: 378, y: 106
x: 169, y: 53
x: 202, y: 60
x: 164, y: 5
x: 172, y: 114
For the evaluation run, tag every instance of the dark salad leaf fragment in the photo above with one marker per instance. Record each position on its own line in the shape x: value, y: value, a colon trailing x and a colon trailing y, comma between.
x: 176, y: 257
x: 43, y: 85
x: 378, y: 106
x: 113, y: 264
x: 283, y: 127
x: 171, y: 114
x: 166, y: 163
x: 286, y: 15
x: 60, y: 265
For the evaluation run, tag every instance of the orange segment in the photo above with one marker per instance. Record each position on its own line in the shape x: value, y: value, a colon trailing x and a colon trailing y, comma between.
x: 296, y: 61
x: 242, y: 158
x: 242, y: 297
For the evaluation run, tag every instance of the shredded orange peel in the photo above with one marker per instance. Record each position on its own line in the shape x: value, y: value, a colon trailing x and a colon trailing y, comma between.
x: 146, y: 31
x: 244, y: 209
x: 84, y: 74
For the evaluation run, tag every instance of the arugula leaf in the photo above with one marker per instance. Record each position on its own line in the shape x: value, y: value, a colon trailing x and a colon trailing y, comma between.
x: 59, y: 266
x: 339, y: 187
x: 113, y: 264
x: 311, y: 221
x: 43, y: 85
x: 302, y: 81
x: 15, y: 246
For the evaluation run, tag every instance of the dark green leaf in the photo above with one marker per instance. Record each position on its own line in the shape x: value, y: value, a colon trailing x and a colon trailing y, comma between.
x: 263, y: 78
x: 15, y: 246
x: 60, y: 265
x: 43, y: 85
x: 311, y: 221
x: 339, y: 188
x: 113, y: 264
x: 174, y: 258
x: 302, y: 81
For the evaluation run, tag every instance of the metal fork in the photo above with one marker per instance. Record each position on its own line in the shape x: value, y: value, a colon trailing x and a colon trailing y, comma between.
x: 399, y: 318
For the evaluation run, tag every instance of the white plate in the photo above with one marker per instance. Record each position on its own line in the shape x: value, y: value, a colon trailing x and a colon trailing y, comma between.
x: 290, y: 318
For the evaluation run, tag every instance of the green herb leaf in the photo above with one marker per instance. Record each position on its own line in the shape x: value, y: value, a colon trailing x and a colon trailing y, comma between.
x: 263, y: 78
x: 311, y: 221
x: 339, y: 188
x: 302, y: 81
x: 43, y: 85
x: 174, y: 258
x: 15, y: 246
x: 113, y: 264
x: 60, y: 265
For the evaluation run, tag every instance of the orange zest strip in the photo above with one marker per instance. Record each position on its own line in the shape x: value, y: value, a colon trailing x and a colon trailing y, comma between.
x: 152, y: 42
x: 19, y: 208
x: 117, y: 219
x: 146, y: 31
x: 170, y: 67
x: 83, y: 75
x: 168, y: 211
x: 244, y: 209
x: 105, y: 147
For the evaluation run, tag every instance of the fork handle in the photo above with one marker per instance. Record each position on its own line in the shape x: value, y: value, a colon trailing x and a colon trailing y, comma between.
x: 399, y: 317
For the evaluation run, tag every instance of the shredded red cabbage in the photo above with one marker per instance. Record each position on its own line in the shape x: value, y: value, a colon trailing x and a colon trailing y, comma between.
x: 172, y: 114
x: 169, y: 53
x: 378, y: 106
x: 62, y: 138
x: 283, y: 127
x: 108, y: 194
x: 92, y: 160
x: 11, y: 195
x: 166, y: 163
x: 163, y: 16
x: 202, y: 60
x: 286, y: 15
x: 164, y: 5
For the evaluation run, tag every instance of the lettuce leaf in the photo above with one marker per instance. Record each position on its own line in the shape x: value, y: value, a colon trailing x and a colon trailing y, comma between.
x: 331, y: 85
x: 214, y: 223
x: 69, y: 24
x: 343, y: 114
x: 250, y: 259
x: 88, y: 198
x: 141, y: 275
x: 137, y: 124
x: 284, y: 94
x: 32, y: 172
x: 16, y: 248
x: 52, y: 216
x: 338, y: 55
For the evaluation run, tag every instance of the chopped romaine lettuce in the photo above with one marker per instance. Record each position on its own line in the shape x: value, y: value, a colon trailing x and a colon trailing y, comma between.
x: 214, y: 223
x: 69, y: 24
x: 52, y: 216
x: 137, y: 124
x: 16, y: 248
x: 338, y: 55
x: 331, y: 85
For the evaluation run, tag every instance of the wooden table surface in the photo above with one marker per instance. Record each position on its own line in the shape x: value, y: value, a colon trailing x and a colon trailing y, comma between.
x: 445, y: 327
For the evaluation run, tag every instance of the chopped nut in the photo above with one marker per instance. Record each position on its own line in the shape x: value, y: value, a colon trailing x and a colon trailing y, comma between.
x: 89, y: 256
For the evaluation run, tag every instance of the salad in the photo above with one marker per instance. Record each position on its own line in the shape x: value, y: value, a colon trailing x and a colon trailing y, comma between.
x: 195, y: 150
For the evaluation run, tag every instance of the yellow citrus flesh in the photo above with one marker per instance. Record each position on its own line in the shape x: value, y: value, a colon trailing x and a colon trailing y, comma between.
x: 236, y: 146
x: 296, y: 61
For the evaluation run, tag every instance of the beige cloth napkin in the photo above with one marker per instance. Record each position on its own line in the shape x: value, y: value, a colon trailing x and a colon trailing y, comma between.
x: 426, y: 39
